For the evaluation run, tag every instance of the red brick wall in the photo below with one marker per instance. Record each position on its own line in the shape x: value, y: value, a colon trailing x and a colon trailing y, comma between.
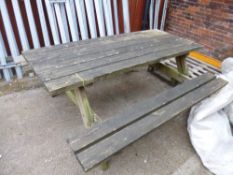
x: 208, y: 22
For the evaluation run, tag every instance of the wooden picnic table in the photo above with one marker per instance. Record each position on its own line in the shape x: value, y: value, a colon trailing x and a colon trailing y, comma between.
x: 69, y: 68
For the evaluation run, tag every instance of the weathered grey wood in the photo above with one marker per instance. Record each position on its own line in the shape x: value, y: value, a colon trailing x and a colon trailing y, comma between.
x: 42, y: 53
x: 57, y: 86
x: 60, y: 67
x: 169, y: 71
x: 93, y: 61
x: 88, y: 115
x: 135, y: 112
x: 181, y: 64
x: 75, y: 44
x: 70, y: 54
x: 101, y: 150
x: 79, y: 97
x: 70, y: 58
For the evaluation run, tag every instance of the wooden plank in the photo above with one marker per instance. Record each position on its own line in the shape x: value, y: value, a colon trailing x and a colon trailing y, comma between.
x: 92, y: 61
x: 99, y: 152
x: 79, y: 97
x: 181, y: 64
x: 95, y: 41
x: 136, y: 112
x: 42, y: 52
x: 168, y: 72
x: 84, y: 55
x: 151, y: 56
x: 83, y: 47
x: 58, y: 85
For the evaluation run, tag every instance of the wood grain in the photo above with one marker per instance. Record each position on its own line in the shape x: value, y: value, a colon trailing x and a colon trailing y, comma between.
x: 103, y: 149
x: 58, y: 66
x: 136, y: 112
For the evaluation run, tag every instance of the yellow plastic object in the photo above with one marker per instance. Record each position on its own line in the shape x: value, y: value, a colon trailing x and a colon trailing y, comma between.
x: 209, y: 60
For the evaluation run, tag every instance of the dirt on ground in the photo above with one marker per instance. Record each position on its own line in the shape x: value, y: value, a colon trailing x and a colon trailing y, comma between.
x: 17, y: 85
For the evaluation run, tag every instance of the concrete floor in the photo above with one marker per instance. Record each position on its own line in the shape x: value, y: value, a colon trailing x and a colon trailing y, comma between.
x: 34, y: 127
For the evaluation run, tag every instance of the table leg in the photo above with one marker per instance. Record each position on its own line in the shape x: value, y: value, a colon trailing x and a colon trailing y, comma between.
x: 181, y: 64
x: 171, y: 74
x: 78, y: 96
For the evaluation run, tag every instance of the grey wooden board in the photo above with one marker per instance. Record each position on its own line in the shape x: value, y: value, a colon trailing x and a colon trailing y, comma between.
x: 63, y: 67
x: 84, y: 51
x: 98, y: 58
x: 42, y: 53
x: 68, y: 82
x: 136, y: 112
x: 102, y: 150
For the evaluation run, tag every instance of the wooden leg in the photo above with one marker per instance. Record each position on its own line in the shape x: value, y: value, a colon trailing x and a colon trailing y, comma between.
x: 168, y: 73
x: 104, y: 165
x: 79, y: 97
x: 151, y: 68
x: 181, y: 64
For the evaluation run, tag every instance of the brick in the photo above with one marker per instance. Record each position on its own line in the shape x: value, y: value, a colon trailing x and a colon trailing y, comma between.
x: 209, y: 22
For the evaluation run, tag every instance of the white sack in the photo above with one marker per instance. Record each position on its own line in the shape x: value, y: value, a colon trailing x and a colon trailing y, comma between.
x: 227, y: 68
x: 209, y: 127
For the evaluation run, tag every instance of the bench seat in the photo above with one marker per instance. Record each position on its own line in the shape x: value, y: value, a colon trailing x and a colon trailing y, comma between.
x: 112, y: 135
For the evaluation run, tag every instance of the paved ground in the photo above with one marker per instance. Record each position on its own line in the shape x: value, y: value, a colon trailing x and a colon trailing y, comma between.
x: 34, y: 128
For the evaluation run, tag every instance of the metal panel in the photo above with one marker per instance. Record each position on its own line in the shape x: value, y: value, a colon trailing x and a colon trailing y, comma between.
x: 52, y: 22
x: 20, y: 25
x: 156, y: 14
x: 64, y: 20
x: 72, y: 20
x: 82, y: 18
x: 100, y: 17
x: 74, y: 14
x: 125, y: 5
x: 31, y: 21
x: 60, y: 23
x: 91, y: 17
x: 108, y: 16
x: 3, y: 54
x: 43, y: 22
x: 165, y: 5
x: 10, y: 36
x: 151, y: 14
x: 116, y: 21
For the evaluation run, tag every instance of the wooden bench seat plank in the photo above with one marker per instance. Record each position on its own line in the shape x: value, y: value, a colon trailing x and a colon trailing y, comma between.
x: 84, y: 45
x: 122, y: 54
x: 64, y: 83
x: 99, y: 152
x: 136, y: 112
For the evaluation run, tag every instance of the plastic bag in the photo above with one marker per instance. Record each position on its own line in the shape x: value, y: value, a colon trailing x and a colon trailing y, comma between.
x: 209, y: 126
x: 227, y: 68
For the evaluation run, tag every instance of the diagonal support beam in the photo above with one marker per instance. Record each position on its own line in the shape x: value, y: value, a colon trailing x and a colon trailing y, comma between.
x: 78, y: 97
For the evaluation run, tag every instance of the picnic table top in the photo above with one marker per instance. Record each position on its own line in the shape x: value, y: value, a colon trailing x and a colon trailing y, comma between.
x: 77, y: 64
